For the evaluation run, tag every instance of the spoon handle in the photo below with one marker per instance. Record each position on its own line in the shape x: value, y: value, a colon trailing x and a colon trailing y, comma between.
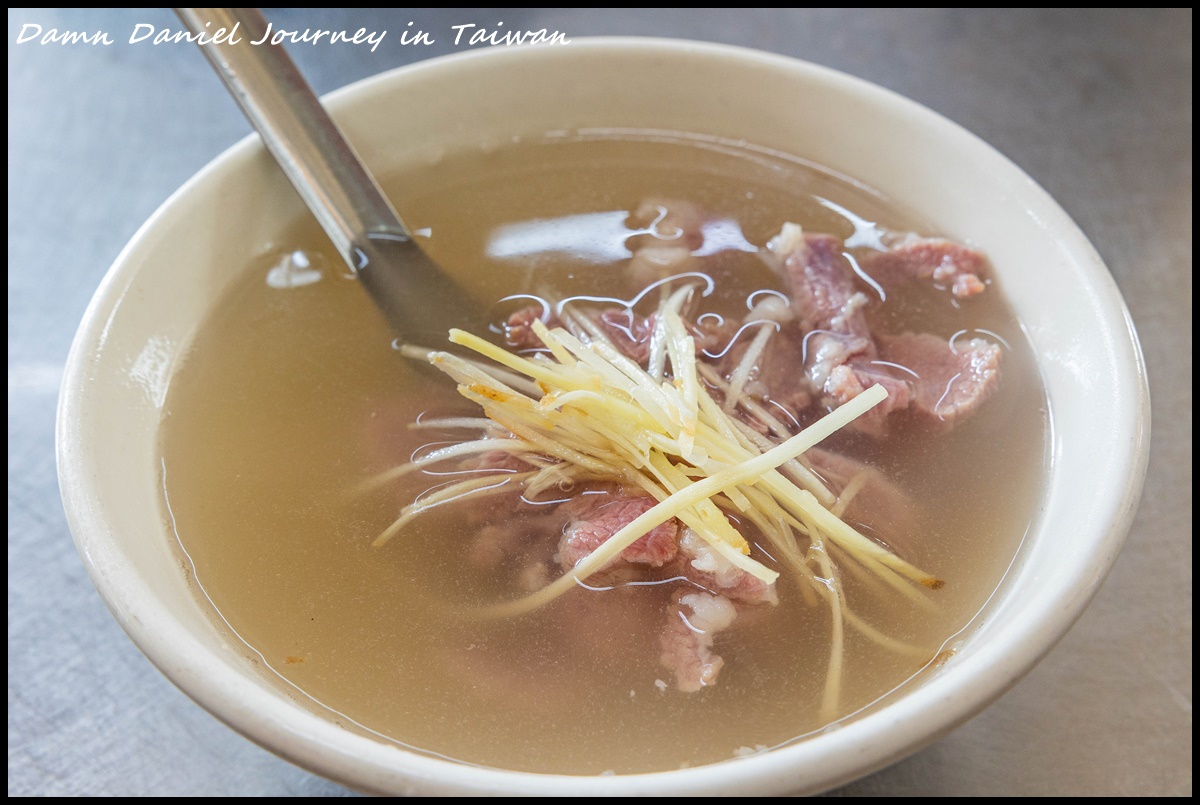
x: 296, y: 129
x: 410, y: 289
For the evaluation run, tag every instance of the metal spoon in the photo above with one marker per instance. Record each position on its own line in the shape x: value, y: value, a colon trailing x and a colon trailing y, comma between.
x: 412, y: 291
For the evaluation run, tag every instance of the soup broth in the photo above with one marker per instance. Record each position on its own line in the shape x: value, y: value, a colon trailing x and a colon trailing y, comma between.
x: 294, y: 392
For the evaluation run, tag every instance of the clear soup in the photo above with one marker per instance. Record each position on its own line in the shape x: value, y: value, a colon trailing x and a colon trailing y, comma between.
x: 293, y: 393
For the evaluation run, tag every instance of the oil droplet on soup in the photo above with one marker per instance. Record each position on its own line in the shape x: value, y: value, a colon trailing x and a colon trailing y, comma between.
x: 293, y: 393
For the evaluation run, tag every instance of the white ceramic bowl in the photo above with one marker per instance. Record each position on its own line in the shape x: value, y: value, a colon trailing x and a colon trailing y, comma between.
x: 167, y: 279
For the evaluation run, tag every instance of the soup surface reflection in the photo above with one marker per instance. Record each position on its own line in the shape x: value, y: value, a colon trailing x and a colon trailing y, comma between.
x: 293, y: 393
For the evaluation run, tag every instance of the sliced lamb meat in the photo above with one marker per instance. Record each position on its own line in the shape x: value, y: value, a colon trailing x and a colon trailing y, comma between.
x: 518, y: 330
x: 837, y: 348
x: 712, y: 335
x: 595, y: 518
x: 824, y: 352
x: 959, y: 267
x: 842, y: 358
x: 892, y: 515
x: 821, y: 283
x: 492, y: 546
x: 715, y: 573
x: 534, y: 576
x: 670, y: 231
x: 849, y: 380
x: 652, y: 263
x: 693, y: 620
x: 495, y: 544
x: 777, y: 378
x: 954, y: 381
x: 668, y: 222
x: 498, y: 461
x: 629, y: 332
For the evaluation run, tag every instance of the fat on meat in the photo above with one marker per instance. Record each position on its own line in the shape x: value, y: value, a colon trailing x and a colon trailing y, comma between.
x: 693, y: 621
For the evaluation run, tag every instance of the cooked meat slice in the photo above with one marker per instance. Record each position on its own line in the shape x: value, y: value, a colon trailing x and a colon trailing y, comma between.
x: 949, y: 264
x: 821, y: 283
x: 496, y: 461
x: 714, y: 572
x: 954, y: 381
x: 652, y: 263
x: 874, y: 500
x: 518, y: 330
x: 597, y: 517
x: 670, y: 231
x: 629, y: 332
x: 837, y: 349
x: 495, y: 544
x: 671, y: 222
x: 849, y: 380
x: 842, y: 358
x: 693, y: 620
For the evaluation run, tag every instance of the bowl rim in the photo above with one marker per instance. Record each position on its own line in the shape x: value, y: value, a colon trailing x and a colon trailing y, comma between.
x: 843, y: 754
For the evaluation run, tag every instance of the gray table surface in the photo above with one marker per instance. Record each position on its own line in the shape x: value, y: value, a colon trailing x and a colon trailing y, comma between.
x: 1096, y: 106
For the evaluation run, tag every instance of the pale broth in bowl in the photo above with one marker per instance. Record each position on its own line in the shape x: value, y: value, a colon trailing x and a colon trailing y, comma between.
x: 293, y: 394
